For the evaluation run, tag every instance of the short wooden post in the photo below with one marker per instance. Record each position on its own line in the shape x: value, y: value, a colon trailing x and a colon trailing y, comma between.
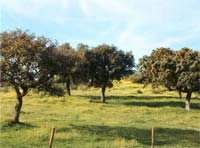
x: 152, y: 137
x: 51, y: 137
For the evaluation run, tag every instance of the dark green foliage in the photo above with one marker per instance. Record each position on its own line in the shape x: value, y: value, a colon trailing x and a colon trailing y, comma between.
x: 143, y: 66
x: 70, y: 65
x: 163, y: 68
x: 106, y: 64
x: 82, y: 70
x: 188, y: 70
x: 66, y: 60
x: 176, y: 70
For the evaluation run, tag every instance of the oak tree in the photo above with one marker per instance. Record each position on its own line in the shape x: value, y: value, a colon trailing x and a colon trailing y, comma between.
x: 188, y: 72
x: 26, y: 62
x: 107, y: 63
x: 71, y: 65
x: 175, y: 70
x: 66, y: 64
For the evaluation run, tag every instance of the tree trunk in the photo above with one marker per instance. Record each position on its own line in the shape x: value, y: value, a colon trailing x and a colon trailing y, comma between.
x: 187, y: 103
x: 68, y: 87
x: 103, y: 98
x: 180, y: 94
x: 17, y: 111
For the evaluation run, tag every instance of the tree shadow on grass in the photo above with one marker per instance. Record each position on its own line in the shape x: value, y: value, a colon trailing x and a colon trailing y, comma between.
x: 164, y: 136
x: 134, y: 97
x: 162, y: 104
x: 149, y: 101
x: 64, y: 129
x: 128, y: 97
x: 143, y: 100
x: 139, y: 97
x: 6, y: 125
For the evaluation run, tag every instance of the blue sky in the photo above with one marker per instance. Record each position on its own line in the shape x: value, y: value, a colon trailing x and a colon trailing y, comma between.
x: 132, y: 25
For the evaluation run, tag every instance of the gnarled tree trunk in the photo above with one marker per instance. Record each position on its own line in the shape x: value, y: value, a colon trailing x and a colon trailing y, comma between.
x: 187, y: 102
x: 17, y: 111
x: 103, y: 98
x: 19, y: 103
x: 68, y: 87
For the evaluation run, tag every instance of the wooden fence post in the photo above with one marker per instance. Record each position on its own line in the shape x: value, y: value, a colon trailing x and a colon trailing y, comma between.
x: 152, y: 137
x: 51, y: 137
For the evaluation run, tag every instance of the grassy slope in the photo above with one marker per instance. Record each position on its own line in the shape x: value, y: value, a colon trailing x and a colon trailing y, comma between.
x: 125, y: 121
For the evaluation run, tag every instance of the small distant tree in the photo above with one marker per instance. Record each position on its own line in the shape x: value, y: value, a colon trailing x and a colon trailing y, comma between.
x: 27, y: 62
x: 136, y: 78
x: 143, y: 74
x: 106, y: 64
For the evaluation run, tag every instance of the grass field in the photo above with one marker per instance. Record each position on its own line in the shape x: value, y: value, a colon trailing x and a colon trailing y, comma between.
x: 125, y: 121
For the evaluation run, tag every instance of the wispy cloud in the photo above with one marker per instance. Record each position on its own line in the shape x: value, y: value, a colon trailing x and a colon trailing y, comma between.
x: 130, y: 24
x: 41, y: 10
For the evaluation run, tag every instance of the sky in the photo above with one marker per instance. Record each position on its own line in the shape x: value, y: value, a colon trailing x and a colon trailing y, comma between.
x: 132, y: 25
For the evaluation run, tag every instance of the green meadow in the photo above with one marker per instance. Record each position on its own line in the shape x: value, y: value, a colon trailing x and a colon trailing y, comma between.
x: 81, y: 121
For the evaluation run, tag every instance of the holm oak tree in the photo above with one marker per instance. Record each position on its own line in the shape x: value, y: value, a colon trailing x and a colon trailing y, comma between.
x: 175, y: 70
x: 26, y: 62
x: 107, y: 63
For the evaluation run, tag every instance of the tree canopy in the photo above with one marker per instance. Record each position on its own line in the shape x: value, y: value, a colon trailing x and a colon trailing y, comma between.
x: 107, y: 63
x: 71, y: 65
x: 66, y: 64
x: 26, y: 62
x: 175, y: 70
